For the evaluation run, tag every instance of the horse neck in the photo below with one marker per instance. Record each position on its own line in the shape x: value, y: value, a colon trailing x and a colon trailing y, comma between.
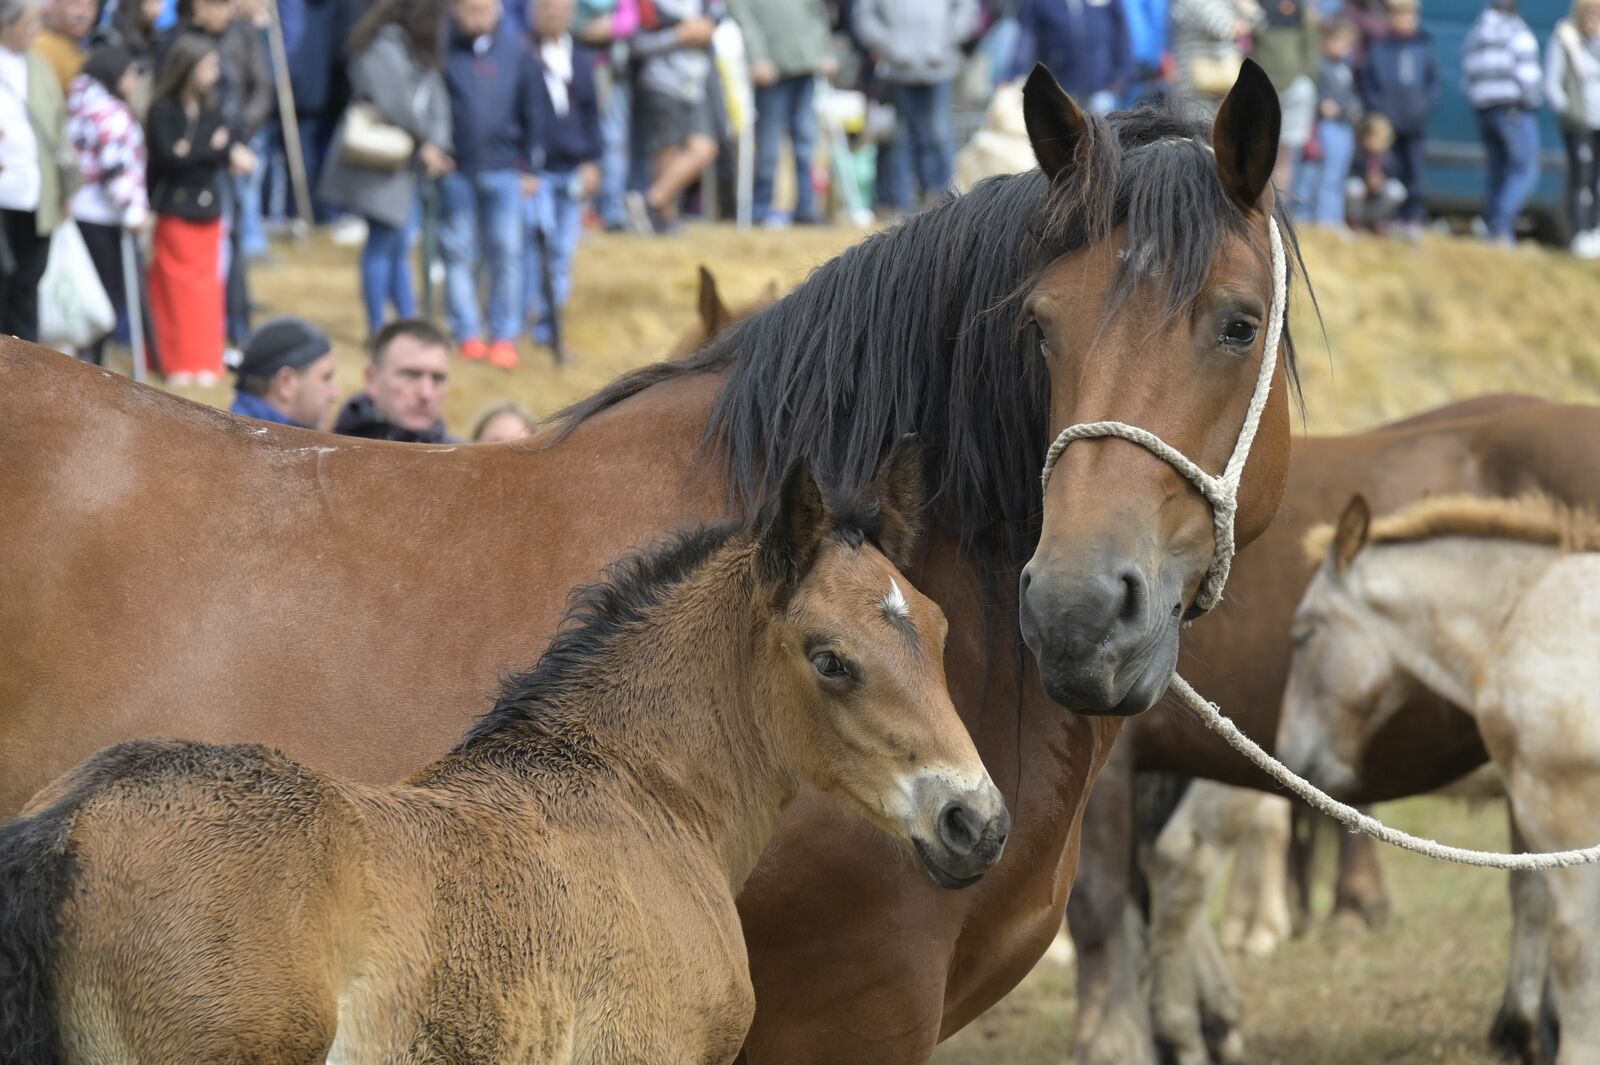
x: 1447, y: 601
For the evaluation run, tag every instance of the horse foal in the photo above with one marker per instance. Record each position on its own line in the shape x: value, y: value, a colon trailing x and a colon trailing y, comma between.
x: 560, y: 887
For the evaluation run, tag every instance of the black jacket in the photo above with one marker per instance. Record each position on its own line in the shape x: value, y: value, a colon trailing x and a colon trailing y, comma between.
x: 360, y: 417
x: 186, y: 183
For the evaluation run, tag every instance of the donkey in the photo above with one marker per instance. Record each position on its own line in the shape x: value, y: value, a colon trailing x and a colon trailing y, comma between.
x: 559, y: 887
x: 1482, y: 603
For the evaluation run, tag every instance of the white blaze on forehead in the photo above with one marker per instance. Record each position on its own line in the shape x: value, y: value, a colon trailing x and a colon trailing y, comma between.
x: 894, y: 603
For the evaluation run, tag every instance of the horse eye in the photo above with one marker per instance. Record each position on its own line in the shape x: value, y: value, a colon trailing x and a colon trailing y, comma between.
x: 1300, y: 637
x: 827, y: 664
x: 1239, y: 333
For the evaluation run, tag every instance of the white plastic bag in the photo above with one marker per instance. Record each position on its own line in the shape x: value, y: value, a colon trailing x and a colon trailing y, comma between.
x: 74, y: 310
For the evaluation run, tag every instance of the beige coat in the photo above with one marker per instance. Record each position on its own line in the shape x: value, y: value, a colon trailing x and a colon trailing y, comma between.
x: 47, y: 109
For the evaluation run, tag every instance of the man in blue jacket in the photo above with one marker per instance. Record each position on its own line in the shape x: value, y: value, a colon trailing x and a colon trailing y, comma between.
x: 494, y: 102
x: 1085, y: 43
x: 1401, y: 81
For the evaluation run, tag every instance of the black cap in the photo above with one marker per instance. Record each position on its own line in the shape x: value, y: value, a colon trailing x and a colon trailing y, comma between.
x: 282, y: 342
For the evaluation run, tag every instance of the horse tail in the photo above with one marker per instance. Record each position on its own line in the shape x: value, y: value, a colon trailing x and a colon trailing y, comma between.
x: 36, y: 871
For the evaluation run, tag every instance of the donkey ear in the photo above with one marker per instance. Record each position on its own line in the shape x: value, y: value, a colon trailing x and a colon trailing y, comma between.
x: 790, y: 540
x: 714, y: 314
x: 1350, y: 535
x: 1245, y: 136
x: 1056, y: 125
x: 899, y: 491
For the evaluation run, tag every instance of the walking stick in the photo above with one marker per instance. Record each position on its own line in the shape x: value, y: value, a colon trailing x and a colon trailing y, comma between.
x: 290, y: 122
x: 430, y: 243
x: 547, y: 284
x: 134, y: 293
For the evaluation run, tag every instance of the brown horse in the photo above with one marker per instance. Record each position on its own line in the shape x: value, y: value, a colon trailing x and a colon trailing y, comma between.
x: 182, y: 571
x: 217, y: 904
x: 713, y: 315
x: 1493, y: 445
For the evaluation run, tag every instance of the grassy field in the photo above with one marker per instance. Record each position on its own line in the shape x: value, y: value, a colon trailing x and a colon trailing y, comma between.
x: 1407, y: 326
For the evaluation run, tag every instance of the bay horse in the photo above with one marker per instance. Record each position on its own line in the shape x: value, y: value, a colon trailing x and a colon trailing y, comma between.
x: 190, y: 572
x: 1494, y: 606
x: 1501, y: 445
x: 558, y: 888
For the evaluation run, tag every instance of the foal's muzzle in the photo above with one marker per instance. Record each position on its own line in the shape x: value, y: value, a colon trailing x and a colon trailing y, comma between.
x: 960, y: 831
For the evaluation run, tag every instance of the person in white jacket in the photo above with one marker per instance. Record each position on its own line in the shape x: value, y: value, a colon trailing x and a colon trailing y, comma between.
x: 1572, y: 88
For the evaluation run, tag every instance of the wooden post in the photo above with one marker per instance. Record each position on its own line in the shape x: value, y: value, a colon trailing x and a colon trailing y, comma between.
x: 290, y: 122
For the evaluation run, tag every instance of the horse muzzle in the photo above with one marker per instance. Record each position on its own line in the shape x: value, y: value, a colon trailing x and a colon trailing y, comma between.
x: 961, y: 832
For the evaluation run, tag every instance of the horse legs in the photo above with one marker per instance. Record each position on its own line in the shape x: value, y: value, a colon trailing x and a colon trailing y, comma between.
x: 1359, y: 897
x: 1517, y: 1032
x: 1256, y: 914
x: 1113, y: 1023
x: 1303, y: 825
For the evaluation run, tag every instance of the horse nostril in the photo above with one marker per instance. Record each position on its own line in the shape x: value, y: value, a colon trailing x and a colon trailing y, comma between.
x: 1134, y: 596
x: 959, y: 828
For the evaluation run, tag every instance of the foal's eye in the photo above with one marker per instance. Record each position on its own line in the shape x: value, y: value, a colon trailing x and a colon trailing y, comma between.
x: 1239, y: 333
x: 827, y: 664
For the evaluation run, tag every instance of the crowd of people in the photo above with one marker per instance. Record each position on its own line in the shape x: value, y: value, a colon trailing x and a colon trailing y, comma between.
x: 155, y: 127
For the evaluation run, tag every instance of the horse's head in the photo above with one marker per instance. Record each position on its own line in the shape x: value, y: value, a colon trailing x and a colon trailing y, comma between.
x: 1345, y: 680
x: 1156, y: 318
x: 856, y: 659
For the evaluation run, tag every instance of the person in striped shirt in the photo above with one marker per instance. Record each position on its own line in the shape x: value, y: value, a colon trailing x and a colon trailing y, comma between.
x: 1501, y: 74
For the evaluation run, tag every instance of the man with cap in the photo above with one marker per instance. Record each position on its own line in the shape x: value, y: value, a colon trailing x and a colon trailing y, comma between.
x: 286, y: 375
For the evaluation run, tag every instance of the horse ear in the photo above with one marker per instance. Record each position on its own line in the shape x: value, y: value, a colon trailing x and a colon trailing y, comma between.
x: 714, y: 314
x: 898, y: 489
x: 1245, y: 136
x: 1056, y: 125
x: 790, y: 540
x: 1350, y: 535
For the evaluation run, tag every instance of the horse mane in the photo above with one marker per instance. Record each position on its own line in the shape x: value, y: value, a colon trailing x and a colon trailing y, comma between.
x: 919, y: 328
x: 1535, y: 518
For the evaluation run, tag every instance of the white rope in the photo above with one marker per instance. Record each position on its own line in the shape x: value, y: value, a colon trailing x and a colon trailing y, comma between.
x: 1222, y: 492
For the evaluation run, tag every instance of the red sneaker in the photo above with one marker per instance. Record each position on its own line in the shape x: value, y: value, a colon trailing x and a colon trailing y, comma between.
x: 503, y: 353
x: 474, y: 349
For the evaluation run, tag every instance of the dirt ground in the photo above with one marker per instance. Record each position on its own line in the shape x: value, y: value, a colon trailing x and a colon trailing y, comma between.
x: 1406, y: 327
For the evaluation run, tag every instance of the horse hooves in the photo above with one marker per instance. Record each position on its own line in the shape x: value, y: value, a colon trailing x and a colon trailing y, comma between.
x: 1513, y: 1038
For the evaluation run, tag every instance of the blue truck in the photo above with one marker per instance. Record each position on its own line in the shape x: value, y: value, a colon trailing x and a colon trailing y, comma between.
x: 1454, y: 151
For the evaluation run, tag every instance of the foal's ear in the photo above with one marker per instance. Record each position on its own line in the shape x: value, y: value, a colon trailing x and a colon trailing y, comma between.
x: 899, y: 491
x: 714, y: 314
x: 1056, y: 125
x: 1350, y: 535
x: 790, y: 540
x: 1245, y: 136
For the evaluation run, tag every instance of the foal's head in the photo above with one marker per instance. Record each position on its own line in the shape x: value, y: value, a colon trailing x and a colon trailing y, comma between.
x: 854, y: 657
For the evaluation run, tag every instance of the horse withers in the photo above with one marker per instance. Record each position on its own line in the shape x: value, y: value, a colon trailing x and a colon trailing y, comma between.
x: 1493, y: 605
x: 559, y: 888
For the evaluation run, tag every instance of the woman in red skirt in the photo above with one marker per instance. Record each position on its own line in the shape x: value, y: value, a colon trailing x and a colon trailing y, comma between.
x: 188, y: 157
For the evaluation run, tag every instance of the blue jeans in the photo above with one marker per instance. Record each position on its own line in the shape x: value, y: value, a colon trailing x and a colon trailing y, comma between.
x: 556, y: 211
x: 616, y: 153
x: 247, y: 189
x: 386, y: 272
x: 1319, y: 186
x: 926, y: 142
x: 482, y: 210
x: 785, y: 107
x: 1511, y: 137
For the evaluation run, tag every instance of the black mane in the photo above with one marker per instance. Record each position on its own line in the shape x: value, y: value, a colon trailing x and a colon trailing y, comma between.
x: 918, y: 329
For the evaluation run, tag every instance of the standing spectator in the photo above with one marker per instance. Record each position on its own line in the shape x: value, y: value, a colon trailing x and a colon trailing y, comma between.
x: 1086, y: 45
x: 109, y: 147
x: 189, y: 144
x: 671, y: 106
x: 786, y: 42
x: 407, y: 377
x: 1322, y: 185
x: 33, y: 119
x: 494, y: 88
x: 1401, y: 82
x: 568, y: 161
x: 1374, y: 189
x: 285, y: 375
x: 606, y: 25
x: 394, y: 67
x: 1286, y: 48
x: 1205, y: 48
x: 249, y: 186
x: 66, y: 25
x: 1572, y: 85
x: 317, y: 72
x: 133, y: 26
x: 1501, y: 73
x: 916, y: 45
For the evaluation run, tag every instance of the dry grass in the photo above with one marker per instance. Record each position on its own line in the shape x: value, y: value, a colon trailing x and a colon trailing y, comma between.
x: 1407, y: 326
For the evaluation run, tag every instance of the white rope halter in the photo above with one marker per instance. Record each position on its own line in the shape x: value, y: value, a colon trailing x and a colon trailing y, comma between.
x: 1222, y: 492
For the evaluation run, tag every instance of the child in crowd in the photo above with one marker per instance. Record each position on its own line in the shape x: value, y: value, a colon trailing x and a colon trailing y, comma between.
x: 1321, y: 190
x: 671, y: 106
x: 1401, y: 80
x: 108, y: 146
x: 501, y: 422
x: 1374, y: 192
x: 567, y: 162
x: 189, y: 145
